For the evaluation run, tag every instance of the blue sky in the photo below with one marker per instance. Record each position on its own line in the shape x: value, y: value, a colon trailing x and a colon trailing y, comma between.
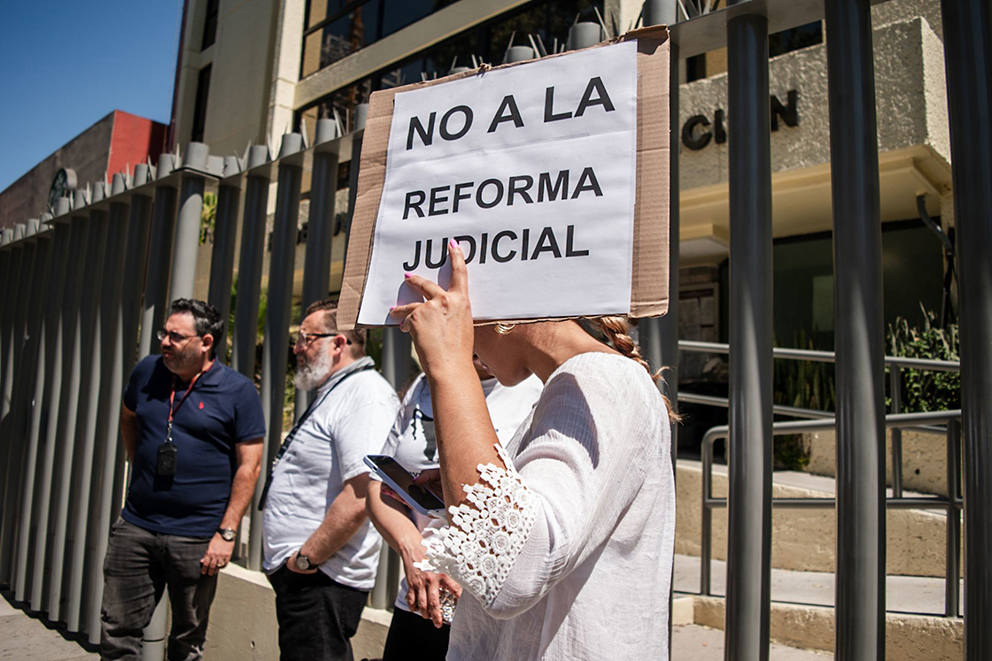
x: 64, y: 64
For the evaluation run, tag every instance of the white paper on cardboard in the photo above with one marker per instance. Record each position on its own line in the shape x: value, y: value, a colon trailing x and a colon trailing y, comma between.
x: 532, y: 170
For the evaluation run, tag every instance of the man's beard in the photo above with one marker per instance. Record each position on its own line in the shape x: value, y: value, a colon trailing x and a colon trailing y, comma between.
x: 313, y: 372
x: 182, y: 361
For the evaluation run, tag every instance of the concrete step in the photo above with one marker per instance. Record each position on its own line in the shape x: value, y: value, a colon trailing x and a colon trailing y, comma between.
x: 802, y: 614
x: 692, y: 642
x: 805, y: 539
x: 915, y: 595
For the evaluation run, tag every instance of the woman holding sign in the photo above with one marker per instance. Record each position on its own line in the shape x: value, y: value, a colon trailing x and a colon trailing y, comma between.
x: 563, y: 540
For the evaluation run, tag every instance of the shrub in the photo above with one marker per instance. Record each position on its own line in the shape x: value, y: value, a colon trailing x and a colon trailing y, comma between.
x: 925, y: 390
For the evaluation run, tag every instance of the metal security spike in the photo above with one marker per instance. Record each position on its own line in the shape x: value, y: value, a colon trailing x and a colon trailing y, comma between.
x: 602, y: 23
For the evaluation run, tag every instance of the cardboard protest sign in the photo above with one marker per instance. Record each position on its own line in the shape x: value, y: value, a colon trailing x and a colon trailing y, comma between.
x: 551, y: 174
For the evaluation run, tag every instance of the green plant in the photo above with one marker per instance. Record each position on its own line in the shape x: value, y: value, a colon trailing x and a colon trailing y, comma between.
x: 790, y: 452
x: 208, y: 216
x: 804, y: 384
x: 925, y: 390
x: 800, y: 384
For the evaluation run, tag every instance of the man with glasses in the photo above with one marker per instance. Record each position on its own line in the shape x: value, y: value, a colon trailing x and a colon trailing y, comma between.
x: 192, y: 429
x: 321, y: 552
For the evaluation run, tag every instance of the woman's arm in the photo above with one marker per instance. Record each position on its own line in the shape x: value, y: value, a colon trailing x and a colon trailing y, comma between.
x: 444, y: 337
x: 391, y: 520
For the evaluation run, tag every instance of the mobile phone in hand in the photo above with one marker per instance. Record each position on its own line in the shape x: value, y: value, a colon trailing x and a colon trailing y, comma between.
x: 400, y: 480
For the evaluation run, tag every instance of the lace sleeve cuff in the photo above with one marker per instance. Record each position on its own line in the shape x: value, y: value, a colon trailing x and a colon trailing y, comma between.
x: 482, y: 540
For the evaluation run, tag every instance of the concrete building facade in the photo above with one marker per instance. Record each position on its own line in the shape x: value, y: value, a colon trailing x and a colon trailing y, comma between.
x: 114, y: 144
x: 251, y: 70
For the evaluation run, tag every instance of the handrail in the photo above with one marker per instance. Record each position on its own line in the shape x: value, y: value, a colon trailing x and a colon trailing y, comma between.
x: 897, y: 363
x: 824, y: 356
x: 953, y: 504
x: 723, y: 402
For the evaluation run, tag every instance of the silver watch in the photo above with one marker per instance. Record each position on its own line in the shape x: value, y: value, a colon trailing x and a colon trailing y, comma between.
x: 227, y: 534
x: 302, y: 562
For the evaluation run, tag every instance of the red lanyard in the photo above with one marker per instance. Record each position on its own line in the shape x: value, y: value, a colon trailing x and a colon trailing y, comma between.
x: 172, y: 399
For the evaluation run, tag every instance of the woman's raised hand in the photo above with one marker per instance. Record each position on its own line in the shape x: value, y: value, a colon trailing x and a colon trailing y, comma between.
x: 441, y: 326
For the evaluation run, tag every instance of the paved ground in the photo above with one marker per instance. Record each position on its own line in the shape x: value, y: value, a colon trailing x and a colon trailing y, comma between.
x: 26, y: 638
x: 691, y: 642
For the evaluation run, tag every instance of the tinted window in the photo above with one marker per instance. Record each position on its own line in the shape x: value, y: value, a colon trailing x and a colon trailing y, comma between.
x: 210, y: 24
x: 200, y: 104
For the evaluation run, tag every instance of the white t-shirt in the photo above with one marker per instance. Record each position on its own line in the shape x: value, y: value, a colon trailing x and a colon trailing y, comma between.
x: 328, y: 450
x: 412, y: 442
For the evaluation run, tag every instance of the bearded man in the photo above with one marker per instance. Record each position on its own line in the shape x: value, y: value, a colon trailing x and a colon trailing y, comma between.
x: 321, y: 552
x: 192, y: 429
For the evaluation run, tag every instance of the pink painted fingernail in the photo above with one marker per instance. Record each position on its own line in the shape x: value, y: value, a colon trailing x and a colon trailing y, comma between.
x: 453, y: 243
x: 407, y: 275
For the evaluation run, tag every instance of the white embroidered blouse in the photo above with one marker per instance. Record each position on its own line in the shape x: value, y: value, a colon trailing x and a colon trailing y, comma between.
x: 568, y: 554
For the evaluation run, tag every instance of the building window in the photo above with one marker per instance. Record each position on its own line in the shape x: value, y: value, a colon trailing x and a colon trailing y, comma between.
x: 200, y: 105
x: 210, y: 24
x: 800, y: 37
x: 334, y: 29
x: 548, y: 19
x: 695, y: 68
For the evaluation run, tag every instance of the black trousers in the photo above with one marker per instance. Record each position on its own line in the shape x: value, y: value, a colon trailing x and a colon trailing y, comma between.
x: 317, y: 616
x: 412, y: 637
x: 138, y: 567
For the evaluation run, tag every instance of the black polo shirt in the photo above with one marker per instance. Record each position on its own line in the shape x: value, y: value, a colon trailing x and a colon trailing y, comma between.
x: 222, y: 410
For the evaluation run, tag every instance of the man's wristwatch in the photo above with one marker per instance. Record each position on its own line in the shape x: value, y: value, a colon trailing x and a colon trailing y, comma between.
x: 227, y: 534
x: 302, y: 562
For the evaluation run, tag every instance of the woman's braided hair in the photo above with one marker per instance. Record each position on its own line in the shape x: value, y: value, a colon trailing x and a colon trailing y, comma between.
x: 615, y: 329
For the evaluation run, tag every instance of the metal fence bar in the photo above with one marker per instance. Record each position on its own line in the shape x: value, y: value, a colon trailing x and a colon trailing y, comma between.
x: 89, y: 406
x: 54, y: 377
x: 751, y: 335
x: 320, y: 227
x: 135, y: 261
x: 952, y: 585
x: 9, y: 294
x: 23, y: 388
x: 250, y: 261
x: 36, y: 355
x: 277, y: 317
x: 111, y: 388
x: 225, y: 233
x: 23, y: 254
x: 396, y: 348
x: 156, y: 299
x: 24, y: 377
x: 968, y: 62
x: 68, y: 403
x: 659, y: 338
x: 187, y: 237
x: 860, y: 585
x: 896, y: 393
x: 357, y: 137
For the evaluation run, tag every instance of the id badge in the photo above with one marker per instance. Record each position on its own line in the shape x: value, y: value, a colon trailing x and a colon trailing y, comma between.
x: 165, y: 465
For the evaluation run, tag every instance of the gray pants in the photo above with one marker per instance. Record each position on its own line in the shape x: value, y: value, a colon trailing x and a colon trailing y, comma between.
x: 138, y: 567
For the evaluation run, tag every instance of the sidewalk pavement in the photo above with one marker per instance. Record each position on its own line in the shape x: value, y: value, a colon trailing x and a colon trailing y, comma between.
x: 24, y: 637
